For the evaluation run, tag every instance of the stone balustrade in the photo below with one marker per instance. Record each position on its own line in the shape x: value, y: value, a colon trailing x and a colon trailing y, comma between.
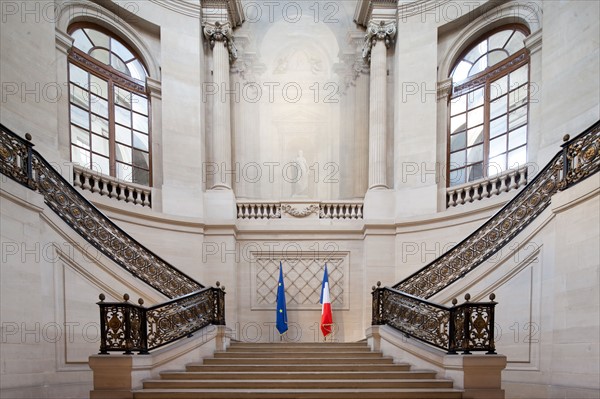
x: 111, y: 187
x: 512, y: 179
x: 300, y: 209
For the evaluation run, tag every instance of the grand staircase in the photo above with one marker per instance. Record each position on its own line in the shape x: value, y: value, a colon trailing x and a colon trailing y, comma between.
x: 298, y: 370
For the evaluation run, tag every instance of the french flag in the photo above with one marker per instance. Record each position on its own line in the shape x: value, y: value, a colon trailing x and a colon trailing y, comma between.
x: 326, y: 316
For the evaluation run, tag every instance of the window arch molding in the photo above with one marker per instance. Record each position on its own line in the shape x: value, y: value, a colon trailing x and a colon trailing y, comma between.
x: 506, y: 14
x: 80, y: 12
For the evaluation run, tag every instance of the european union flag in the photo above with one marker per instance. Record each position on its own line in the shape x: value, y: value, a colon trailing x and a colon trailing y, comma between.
x: 281, y: 323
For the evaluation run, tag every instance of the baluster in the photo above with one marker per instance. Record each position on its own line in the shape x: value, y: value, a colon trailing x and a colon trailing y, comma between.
x: 459, y: 198
x: 76, y: 180
x: 129, y: 195
x: 513, y: 180
x: 353, y: 211
x: 239, y: 211
x: 138, y: 197
x: 95, y: 183
x: 494, y: 190
x: 146, y: 198
x: 347, y: 211
x: 252, y: 211
x: 503, y: 187
x: 143, y: 329
x: 360, y: 211
x: 450, y: 201
x: 113, y: 191
x: 104, y: 189
x: 244, y: 211
x: 103, y: 336
x: 121, y: 192
x: 523, y: 177
x: 476, y: 195
x: 86, y: 181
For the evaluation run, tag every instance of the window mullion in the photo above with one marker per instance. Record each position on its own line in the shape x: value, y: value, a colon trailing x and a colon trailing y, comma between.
x: 486, y: 127
x: 112, y: 128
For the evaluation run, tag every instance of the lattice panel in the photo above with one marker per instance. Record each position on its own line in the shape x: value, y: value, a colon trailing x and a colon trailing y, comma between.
x: 303, y: 276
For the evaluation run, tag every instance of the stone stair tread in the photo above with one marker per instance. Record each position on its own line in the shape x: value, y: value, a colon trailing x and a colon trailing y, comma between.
x: 222, y: 375
x: 321, y: 383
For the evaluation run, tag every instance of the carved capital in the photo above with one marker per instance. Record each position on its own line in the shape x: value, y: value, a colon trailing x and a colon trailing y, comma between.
x: 221, y: 32
x: 378, y: 31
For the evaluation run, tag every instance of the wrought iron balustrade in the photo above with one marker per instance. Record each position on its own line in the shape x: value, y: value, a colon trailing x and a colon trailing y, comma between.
x: 579, y: 159
x: 467, y: 327
x: 129, y: 328
x: 20, y: 162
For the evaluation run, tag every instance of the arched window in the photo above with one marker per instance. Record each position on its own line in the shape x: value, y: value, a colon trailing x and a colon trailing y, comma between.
x: 110, y: 114
x: 487, y: 132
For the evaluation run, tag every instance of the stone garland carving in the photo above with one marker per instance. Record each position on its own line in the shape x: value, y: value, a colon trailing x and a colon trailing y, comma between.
x: 382, y: 31
x: 300, y: 213
x: 221, y: 32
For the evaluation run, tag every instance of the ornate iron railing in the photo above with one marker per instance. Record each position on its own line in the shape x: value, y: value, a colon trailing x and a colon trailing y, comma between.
x: 130, y: 328
x: 579, y: 159
x: 20, y: 162
x: 467, y: 327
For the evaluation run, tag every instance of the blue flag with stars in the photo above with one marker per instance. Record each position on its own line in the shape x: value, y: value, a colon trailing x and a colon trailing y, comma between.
x: 281, y: 322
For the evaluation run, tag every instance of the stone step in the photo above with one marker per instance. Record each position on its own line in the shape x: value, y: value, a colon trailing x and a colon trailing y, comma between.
x: 291, y: 349
x: 201, y: 367
x: 289, y: 375
x: 409, y: 393
x: 297, y: 354
x: 287, y: 360
x: 298, y: 384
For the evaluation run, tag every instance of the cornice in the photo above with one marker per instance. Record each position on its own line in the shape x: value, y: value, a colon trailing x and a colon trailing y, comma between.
x: 190, y: 8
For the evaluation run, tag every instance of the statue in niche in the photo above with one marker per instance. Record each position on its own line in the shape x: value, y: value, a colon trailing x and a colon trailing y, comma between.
x: 300, y: 181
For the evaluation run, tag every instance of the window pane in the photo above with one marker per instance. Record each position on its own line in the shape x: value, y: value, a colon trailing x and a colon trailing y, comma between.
x: 497, y: 165
x: 457, y: 177
x: 475, y: 98
x: 137, y: 70
x: 80, y: 117
x: 498, y: 87
x: 100, y: 126
x: 496, y: 56
x: 122, y: 97
x: 498, y: 146
x: 123, y: 135
x: 123, y: 116
x: 517, y: 118
x: 518, y: 77
x: 475, y: 172
x: 81, y: 41
x: 479, y: 66
x: 458, y: 105
x: 100, y: 164
x: 498, y: 107
x: 80, y: 156
x: 120, y: 50
x: 515, y: 43
x: 517, y: 138
x: 141, y: 141
x: 80, y: 96
x: 99, y: 86
x: 80, y: 137
x: 475, y: 154
x: 140, y: 159
x: 78, y: 76
x: 141, y: 176
x: 124, y: 172
x: 499, y: 39
x: 119, y: 65
x: 458, y: 141
x: 457, y: 123
x: 475, y: 135
x: 461, y: 72
x: 477, y: 52
x: 475, y: 117
x: 101, y: 55
x: 140, y: 123
x: 99, y: 145
x: 498, y: 126
x: 123, y: 153
x: 99, y: 106
x: 518, y: 97
x: 517, y: 157
x: 98, y: 38
x: 140, y: 104
x: 457, y: 159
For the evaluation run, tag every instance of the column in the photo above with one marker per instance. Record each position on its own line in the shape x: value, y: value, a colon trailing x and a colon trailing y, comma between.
x: 220, y: 37
x: 380, y: 36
